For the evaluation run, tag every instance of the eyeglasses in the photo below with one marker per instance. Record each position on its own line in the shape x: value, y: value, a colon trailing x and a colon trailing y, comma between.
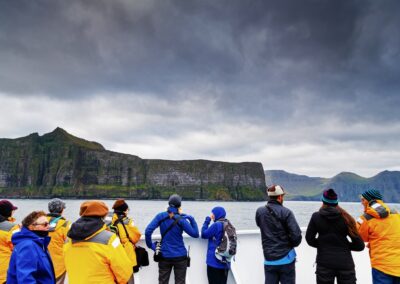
x: 45, y: 224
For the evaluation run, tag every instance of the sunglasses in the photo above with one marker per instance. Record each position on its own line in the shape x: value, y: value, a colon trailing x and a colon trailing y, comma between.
x: 45, y: 224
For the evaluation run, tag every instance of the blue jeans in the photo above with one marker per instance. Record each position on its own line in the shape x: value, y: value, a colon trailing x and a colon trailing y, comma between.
x: 378, y: 277
x: 284, y: 274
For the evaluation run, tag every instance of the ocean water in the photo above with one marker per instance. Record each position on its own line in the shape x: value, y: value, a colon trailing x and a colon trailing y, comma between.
x: 241, y: 214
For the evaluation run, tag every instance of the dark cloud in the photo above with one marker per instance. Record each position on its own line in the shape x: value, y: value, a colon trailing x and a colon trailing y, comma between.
x: 315, y: 71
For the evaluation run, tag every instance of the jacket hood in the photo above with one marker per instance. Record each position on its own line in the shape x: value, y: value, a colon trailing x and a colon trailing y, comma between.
x: 84, y: 227
x: 26, y: 234
x: 330, y: 213
x: 378, y: 209
x: 219, y: 212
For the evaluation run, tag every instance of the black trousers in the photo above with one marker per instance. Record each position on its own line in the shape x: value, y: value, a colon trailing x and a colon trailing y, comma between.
x: 216, y: 275
x: 284, y: 274
x: 165, y: 267
x: 327, y: 276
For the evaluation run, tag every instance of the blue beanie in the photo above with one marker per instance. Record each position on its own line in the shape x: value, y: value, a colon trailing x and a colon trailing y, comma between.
x: 219, y: 212
x: 372, y: 194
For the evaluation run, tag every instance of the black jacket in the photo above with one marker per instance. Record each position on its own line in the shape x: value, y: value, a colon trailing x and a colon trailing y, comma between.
x: 333, y: 247
x: 279, y: 230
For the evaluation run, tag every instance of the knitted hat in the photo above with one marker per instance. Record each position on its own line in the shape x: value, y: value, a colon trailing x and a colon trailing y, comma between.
x: 275, y: 190
x: 372, y: 194
x: 329, y: 197
x: 56, y: 205
x: 219, y: 212
x: 175, y: 201
x: 120, y: 205
x: 6, y: 207
x: 93, y: 208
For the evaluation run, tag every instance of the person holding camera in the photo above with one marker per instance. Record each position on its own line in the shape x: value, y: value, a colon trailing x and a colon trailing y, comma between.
x: 171, y: 249
x: 217, y: 268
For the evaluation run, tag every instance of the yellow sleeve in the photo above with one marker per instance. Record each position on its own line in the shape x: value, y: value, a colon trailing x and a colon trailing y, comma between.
x: 120, y: 264
x: 363, y: 228
x: 133, y: 231
x: 13, y: 230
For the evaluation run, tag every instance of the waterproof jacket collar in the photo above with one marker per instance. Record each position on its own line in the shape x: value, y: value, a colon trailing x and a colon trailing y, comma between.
x: 26, y: 234
x: 378, y: 209
x: 85, y: 227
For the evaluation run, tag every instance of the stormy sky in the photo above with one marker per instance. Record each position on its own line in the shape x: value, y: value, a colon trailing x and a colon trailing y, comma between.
x: 311, y: 87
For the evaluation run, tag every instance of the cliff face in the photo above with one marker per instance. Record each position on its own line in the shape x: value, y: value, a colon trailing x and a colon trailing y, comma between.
x: 348, y: 185
x: 59, y: 164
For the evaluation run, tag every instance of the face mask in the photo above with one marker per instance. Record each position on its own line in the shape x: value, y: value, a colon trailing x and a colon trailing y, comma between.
x: 41, y: 234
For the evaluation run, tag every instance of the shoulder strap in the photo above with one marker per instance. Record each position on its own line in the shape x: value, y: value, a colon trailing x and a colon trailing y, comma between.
x: 170, y: 227
x: 283, y: 224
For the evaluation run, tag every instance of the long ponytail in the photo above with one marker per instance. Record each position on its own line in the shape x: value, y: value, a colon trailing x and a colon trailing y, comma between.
x: 350, y: 222
x: 348, y: 219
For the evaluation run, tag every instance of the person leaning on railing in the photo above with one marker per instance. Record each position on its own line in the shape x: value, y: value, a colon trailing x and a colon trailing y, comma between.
x: 380, y: 227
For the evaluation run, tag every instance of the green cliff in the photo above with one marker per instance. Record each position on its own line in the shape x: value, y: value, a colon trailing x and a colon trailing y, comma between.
x: 60, y: 164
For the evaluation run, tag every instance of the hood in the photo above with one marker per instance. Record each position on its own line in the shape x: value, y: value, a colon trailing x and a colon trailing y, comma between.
x: 84, y: 227
x: 378, y: 209
x: 330, y: 213
x: 219, y: 212
x: 26, y: 234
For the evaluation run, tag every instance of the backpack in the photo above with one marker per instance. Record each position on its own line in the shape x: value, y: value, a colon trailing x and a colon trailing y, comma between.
x: 227, y: 248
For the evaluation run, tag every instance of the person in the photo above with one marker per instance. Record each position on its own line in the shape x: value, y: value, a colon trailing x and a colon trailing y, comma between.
x: 327, y: 231
x: 217, y: 271
x: 280, y: 234
x: 30, y: 260
x: 174, y: 253
x: 92, y: 254
x: 59, y: 227
x: 7, y: 228
x: 380, y: 228
x: 126, y: 230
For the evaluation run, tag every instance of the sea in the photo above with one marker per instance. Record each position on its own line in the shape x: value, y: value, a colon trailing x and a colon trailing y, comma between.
x: 241, y: 214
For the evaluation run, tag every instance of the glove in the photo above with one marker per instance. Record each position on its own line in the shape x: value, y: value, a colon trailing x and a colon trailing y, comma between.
x: 208, y: 219
x: 153, y: 246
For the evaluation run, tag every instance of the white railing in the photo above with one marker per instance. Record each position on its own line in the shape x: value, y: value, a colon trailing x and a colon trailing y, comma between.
x: 248, y: 265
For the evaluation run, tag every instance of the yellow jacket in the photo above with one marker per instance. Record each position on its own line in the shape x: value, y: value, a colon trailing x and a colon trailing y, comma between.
x: 98, y: 259
x: 134, y: 236
x: 381, y: 229
x: 7, y: 228
x: 58, y: 233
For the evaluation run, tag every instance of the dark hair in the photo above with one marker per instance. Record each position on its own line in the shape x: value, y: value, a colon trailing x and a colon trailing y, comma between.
x: 348, y: 219
x: 32, y: 217
x: 274, y: 197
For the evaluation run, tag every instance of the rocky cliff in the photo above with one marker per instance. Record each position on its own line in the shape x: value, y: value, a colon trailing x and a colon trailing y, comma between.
x: 60, y: 164
x: 348, y: 185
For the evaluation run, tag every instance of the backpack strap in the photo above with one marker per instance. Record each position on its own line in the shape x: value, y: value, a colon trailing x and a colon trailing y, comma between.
x: 170, y: 227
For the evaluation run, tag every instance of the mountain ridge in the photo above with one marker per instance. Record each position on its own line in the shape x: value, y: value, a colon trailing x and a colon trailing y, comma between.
x: 348, y: 185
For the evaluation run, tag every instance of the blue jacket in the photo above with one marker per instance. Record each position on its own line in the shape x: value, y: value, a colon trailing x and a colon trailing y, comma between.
x: 30, y: 261
x: 172, y: 244
x: 214, y: 234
